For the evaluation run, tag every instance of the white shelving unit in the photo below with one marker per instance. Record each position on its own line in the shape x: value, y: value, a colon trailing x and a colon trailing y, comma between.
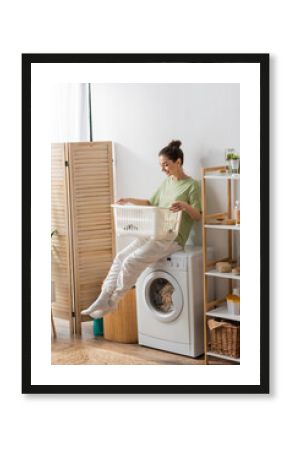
x: 221, y: 176
x: 224, y: 227
x: 222, y: 312
x: 228, y: 358
x: 215, y: 273
x: 217, y: 309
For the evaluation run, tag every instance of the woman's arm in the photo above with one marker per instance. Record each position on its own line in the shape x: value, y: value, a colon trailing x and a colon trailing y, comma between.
x: 134, y: 201
x: 194, y: 213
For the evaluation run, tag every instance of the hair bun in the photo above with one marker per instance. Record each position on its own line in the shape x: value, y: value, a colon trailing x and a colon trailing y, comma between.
x: 172, y: 151
x: 175, y: 144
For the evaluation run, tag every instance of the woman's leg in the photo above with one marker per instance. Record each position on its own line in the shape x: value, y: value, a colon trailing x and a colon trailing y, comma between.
x: 110, y: 283
x: 133, y: 265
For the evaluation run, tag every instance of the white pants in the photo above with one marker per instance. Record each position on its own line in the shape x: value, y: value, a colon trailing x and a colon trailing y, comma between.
x: 130, y: 262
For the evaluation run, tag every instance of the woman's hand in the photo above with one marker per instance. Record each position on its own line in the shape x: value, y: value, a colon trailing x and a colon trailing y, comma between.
x: 178, y: 206
x: 194, y: 213
x: 133, y: 201
x: 123, y: 201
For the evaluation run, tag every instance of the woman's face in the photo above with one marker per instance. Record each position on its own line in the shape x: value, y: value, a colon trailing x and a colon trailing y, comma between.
x: 168, y: 166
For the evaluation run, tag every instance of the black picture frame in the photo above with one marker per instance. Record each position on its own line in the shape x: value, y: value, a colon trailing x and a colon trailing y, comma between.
x: 248, y: 58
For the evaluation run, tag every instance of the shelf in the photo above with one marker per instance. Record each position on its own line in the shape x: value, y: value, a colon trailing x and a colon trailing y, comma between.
x: 215, y: 273
x: 224, y: 227
x: 222, y: 312
x: 217, y: 355
x: 219, y: 221
x: 222, y: 176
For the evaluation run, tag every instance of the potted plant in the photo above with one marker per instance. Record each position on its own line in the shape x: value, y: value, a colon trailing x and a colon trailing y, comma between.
x: 233, y: 161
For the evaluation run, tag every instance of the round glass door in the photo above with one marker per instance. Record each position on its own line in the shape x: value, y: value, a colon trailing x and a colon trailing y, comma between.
x: 163, y: 296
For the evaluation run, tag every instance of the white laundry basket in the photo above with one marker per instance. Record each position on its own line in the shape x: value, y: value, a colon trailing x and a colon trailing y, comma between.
x: 146, y: 221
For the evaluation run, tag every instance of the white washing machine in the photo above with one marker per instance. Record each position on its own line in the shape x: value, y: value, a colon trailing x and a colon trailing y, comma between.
x: 170, y: 303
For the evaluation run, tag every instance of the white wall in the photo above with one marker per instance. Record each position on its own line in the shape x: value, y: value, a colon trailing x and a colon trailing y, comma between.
x: 142, y: 118
x: 70, y: 113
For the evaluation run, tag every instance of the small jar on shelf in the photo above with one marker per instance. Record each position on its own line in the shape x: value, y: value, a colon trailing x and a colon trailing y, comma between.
x: 233, y: 302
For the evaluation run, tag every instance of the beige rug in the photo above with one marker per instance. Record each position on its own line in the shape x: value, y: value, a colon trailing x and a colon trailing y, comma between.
x: 95, y: 356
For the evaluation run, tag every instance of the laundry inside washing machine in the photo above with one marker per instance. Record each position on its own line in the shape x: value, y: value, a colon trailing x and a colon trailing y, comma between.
x: 160, y: 295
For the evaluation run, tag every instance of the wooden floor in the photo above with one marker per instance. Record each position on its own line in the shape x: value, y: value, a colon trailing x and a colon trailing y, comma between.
x: 89, y: 349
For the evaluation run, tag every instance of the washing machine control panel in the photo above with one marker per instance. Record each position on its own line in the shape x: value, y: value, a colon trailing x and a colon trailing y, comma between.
x: 176, y: 262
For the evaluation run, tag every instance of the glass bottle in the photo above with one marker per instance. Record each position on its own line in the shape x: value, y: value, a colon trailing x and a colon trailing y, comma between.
x: 233, y: 302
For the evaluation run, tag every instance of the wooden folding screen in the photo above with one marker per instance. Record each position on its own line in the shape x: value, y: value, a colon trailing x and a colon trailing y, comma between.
x: 60, y: 242
x: 84, y: 244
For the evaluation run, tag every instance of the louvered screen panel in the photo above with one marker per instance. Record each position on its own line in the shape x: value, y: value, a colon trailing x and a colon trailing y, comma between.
x: 91, y: 194
x: 60, y: 256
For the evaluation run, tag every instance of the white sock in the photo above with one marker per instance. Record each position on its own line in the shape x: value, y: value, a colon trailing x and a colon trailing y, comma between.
x: 101, y: 303
x: 102, y: 312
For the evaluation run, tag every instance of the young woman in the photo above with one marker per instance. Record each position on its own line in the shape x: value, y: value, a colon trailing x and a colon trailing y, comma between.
x: 179, y: 192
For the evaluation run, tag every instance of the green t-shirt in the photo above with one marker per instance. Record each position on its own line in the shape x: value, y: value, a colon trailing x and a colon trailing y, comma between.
x: 186, y: 190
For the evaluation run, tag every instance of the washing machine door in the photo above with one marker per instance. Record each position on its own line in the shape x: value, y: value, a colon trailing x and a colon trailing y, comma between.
x: 163, y: 296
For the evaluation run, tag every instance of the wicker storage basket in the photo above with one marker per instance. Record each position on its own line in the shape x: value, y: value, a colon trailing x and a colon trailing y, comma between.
x: 146, y: 221
x: 224, y: 338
